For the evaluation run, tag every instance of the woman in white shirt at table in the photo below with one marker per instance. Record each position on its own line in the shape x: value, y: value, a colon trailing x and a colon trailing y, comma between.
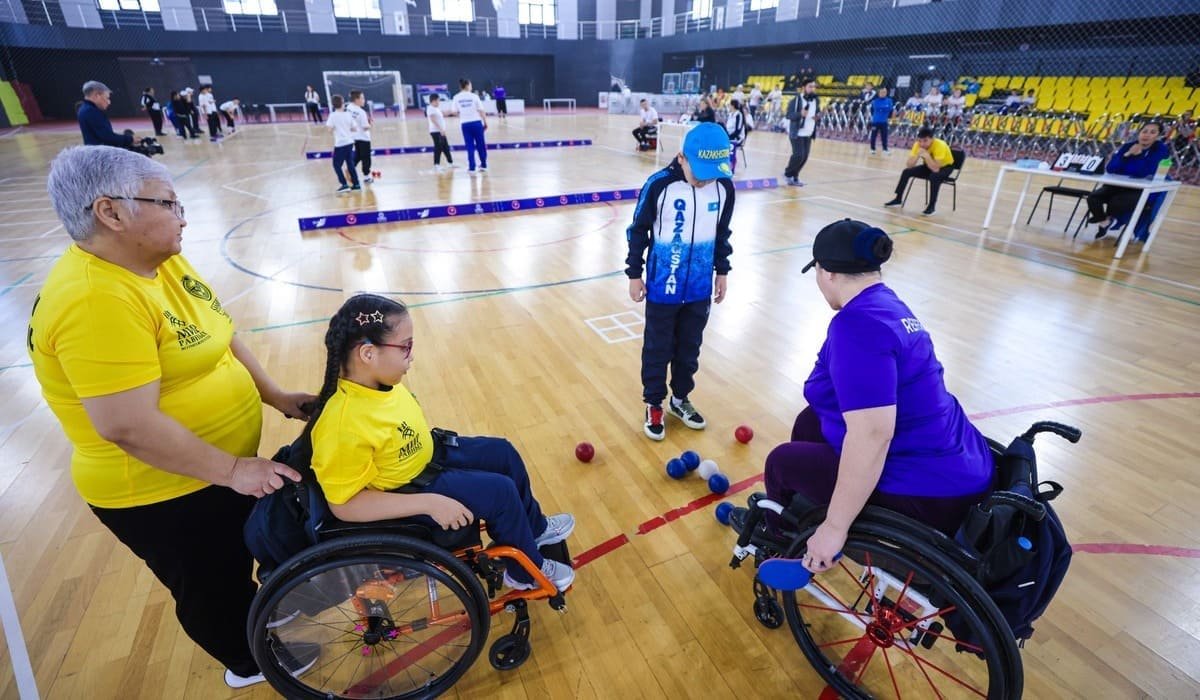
x: 473, y: 122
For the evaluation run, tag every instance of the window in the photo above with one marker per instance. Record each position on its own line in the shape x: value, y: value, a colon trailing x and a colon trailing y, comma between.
x: 536, y: 12
x: 250, y: 7
x: 763, y: 5
x: 452, y: 10
x: 354, y: 9
x: 143, y: 5
x: 702, y: 9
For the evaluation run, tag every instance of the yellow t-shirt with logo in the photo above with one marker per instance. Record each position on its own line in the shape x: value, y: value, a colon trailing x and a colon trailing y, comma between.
x: 98, y: 329
x: 366, y: 438
x: 939, y: 149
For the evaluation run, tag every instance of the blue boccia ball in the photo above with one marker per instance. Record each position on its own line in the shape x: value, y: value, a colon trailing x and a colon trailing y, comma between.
x: 676, y: 468
x: 718, y: 483
x: 723, y: 511
x: 691, y: 459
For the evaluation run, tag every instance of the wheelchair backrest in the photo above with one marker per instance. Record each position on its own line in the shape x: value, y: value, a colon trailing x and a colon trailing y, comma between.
x: 284, y: 523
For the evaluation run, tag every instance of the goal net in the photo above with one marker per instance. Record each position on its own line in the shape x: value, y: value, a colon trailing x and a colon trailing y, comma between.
x: 381, y: 88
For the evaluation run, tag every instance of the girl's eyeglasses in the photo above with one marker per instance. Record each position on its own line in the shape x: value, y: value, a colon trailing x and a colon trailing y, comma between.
x: 407, y: 347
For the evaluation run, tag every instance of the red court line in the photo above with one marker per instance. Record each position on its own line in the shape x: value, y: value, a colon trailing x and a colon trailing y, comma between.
x: 1124, y: 548
x: 1114, y: 398
x: 614, y: 543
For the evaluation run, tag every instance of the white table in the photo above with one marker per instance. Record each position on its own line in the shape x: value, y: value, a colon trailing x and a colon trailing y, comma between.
x: 1147, y: 187
x: 568, y: 101
x: 303, y: 106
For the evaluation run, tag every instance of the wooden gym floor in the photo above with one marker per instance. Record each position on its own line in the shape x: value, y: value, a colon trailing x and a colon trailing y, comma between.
x: 1029, y: 324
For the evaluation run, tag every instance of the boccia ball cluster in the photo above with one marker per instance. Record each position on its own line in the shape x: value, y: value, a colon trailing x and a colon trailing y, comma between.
x: 689, y: 461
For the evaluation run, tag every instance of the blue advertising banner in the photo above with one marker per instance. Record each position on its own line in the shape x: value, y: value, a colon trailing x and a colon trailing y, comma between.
x: 508, y: 146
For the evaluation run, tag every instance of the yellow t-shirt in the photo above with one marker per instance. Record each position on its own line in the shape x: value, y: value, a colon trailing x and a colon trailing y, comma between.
x: 939, y: 149
x: 367, y: 438
x: 99, y: 329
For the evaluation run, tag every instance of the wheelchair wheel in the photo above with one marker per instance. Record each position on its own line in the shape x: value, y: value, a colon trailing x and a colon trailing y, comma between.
x: 368, y: 616
x: 875, y: 626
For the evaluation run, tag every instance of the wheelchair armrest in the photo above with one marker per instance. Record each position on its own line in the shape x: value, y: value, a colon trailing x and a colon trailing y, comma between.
x: 447, y: 539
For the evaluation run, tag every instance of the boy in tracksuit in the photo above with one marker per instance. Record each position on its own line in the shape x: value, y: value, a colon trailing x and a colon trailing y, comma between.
x: 683, y: 216
x: 362, y: 137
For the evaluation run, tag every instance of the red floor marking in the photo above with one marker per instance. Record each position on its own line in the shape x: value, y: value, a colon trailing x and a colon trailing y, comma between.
x: 372, y: 682
x: 1115, y: 398
x: 852, y: 664
x: 1123, y: 548
x: 653, y: 524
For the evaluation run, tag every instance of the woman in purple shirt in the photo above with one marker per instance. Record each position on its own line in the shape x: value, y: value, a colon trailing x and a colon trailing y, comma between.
x: 880, y: 426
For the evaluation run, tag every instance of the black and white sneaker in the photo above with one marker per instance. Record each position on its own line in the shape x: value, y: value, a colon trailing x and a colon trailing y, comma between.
x: 894, y: 202
x: 686, y: 412
x: 654, y: 428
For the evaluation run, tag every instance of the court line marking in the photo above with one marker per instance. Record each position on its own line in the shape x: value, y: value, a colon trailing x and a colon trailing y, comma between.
x: 616, y: 542
x: 270, y: 174
x: 241, y: 191
x: 11, y: 133
x: 17, y: 651
x: 57, y: 227
x: 16, y: 284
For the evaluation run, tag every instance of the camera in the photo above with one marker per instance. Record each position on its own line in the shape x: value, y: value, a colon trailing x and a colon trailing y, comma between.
x: 148, y: 146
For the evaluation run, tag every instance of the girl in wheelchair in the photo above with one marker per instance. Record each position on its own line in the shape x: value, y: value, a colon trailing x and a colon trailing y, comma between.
x: 376, y: 458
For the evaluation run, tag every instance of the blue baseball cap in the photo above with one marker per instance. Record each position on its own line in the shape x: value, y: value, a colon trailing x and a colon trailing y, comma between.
x: 706, y: 148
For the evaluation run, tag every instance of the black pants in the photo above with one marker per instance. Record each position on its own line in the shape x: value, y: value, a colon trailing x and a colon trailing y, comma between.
x: 193, y: 126
x: 314, y: 111
x: 362, y: 154
x: 502, y: 106
x: 800, y: 148
x: 1112, y: 201
x: 194, y: 546
x: 157, y: 120
x: 214, y: 125
x: 672, y: 337
x: 440, y: 147
x: 880, y: 129
x: 923, y: 171
x: 229, y: 121
x: 641, y: 134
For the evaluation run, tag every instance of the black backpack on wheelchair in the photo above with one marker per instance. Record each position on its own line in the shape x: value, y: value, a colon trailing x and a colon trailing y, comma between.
x: 284, y: 523
x: 1018, y: 540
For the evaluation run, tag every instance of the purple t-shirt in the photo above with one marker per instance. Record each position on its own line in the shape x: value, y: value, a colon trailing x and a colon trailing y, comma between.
x: 876, y: 353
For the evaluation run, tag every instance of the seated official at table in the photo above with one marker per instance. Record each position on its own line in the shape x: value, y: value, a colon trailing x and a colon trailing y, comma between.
x: 1139, y: 159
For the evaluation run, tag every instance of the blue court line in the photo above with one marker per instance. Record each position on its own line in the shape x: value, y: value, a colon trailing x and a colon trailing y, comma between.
x: 427, y: 149
x: 31, y: 257
x: 503, y: 206
x: 10, y: 287
x: 187, y: 172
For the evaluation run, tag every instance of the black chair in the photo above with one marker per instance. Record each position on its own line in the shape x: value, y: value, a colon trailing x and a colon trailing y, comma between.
x: 951, y: 181
x: 1061, y: 190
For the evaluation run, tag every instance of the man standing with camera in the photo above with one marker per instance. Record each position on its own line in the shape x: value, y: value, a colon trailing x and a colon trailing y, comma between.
x: 93, y: 122
x: 802, y: 125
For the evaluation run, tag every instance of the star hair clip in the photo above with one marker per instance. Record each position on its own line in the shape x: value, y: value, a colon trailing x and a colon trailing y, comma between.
x: 373, y: 317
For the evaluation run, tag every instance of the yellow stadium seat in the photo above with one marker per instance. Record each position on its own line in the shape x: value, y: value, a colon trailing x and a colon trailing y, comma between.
x: 1016, y: 82
x: 971, y: 99
x: 1002, y: 82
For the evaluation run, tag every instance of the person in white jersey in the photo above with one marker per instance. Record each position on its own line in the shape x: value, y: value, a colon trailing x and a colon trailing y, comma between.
x: 208, y: 107
x: 341, y: 123
x: 362, y: 134
x: 474, y: 123
x: 312, y: 103
x: 230, y: 110
x: 437, y: 132
x: 648, y: 125
x: 756, y: 98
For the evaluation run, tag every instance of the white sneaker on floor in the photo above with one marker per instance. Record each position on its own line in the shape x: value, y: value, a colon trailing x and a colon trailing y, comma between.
x: 367, y: 179
x: 686, y: 412
x: 438, y: 169
x: 483, y: 168
x: 561, y: 575
x: 233, y: 680
x: 558, y: 528
x: 301, y: 657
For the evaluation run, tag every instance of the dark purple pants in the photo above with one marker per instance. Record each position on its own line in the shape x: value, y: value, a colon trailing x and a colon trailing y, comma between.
x: 809, y: 465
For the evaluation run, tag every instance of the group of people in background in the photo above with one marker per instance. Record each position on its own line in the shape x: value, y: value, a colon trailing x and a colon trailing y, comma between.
x: 187, y: 109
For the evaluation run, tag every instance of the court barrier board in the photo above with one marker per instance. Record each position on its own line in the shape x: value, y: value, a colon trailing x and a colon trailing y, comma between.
x: 503, y: 206
x: 507, y: 146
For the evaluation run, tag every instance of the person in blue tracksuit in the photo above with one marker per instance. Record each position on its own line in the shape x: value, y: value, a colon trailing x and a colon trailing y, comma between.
x: 1138, y: 159
x: 881, y: 107
x: 682, y: 216
x: 473, y: 122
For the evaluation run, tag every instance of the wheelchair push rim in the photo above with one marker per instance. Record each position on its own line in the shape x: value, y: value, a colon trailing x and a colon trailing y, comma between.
x: 381, y: 622
x: 876, y: 626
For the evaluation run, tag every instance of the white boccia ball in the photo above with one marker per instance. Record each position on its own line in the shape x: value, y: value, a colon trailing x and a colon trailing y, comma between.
x: 707, y: 469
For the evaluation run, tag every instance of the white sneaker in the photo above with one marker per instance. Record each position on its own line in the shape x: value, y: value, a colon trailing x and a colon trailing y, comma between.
x: 233, y: 680
x: 686, y: 412
x: 561, y: 575
x: 558, y: 528
x: 483, y: 168
x: 301, y: 656
x: 367, y: 179
x: 438, y: 169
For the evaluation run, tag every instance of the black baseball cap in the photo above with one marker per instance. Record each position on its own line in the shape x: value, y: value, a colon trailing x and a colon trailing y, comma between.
x: 850, y: 246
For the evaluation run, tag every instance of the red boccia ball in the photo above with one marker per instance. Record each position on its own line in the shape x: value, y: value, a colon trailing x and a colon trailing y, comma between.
x: 584, y: 452
x: 744, y: 434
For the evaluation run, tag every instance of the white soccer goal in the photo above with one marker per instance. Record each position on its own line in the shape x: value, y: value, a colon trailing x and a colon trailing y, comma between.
x: 379, y: 87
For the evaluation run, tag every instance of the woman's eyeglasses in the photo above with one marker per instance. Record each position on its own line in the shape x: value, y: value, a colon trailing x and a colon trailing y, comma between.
x: 174, y: 205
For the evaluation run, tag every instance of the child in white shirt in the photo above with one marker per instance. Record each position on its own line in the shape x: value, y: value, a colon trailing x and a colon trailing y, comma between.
x: 362, y: 137
x: 208, y: 107
x: 230, y: 110
x: 437, y: 132
x: 341, y: 123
